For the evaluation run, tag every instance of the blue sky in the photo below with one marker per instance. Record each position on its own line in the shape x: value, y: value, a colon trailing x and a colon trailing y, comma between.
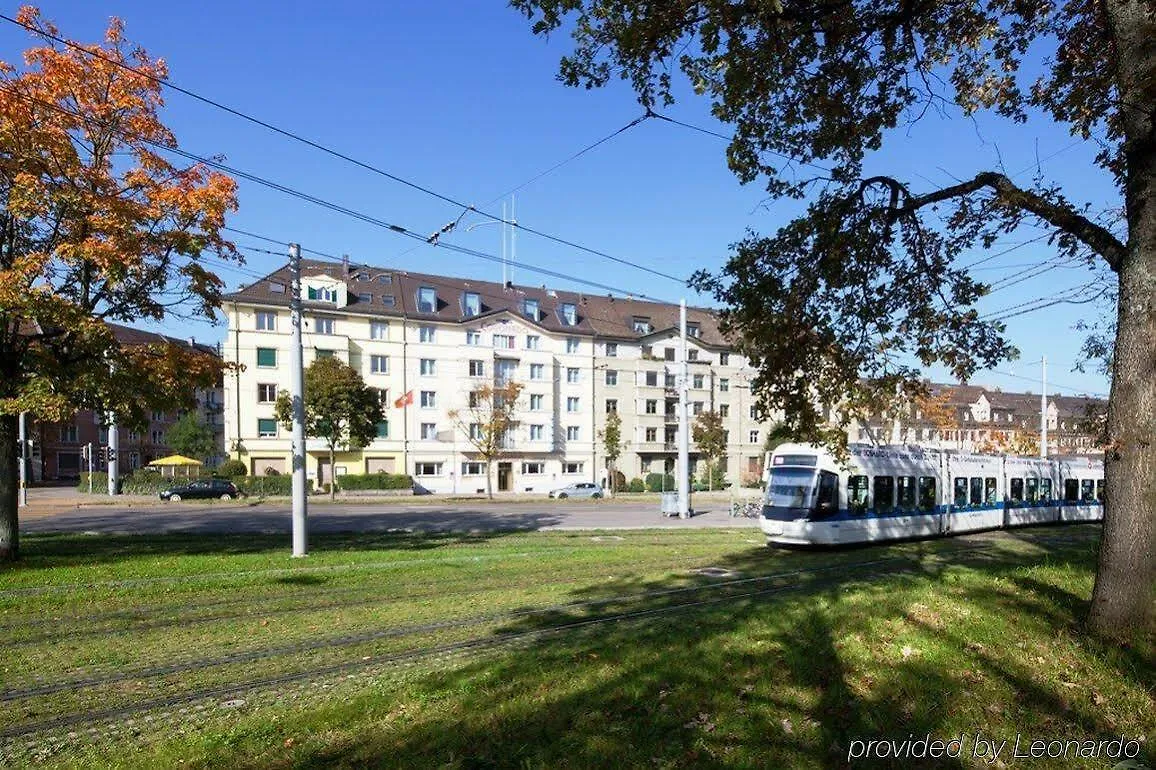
x: 461, y: 98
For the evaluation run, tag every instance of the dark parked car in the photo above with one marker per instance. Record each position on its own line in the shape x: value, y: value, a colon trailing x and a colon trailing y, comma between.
x: 201, y: 490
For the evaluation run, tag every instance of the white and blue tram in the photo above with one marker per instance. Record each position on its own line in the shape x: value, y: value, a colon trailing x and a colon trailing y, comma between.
x: 899, y: 492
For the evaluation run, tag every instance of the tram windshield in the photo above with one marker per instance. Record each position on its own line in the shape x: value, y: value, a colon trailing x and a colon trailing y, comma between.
x: 790, y: 487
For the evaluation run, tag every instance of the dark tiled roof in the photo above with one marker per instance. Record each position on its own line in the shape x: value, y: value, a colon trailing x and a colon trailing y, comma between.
x: 127, y: 335
x: 597, y: 315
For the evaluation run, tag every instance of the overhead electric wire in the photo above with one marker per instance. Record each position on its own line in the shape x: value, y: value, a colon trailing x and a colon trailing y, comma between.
x: 337, y: 154
x: 353, y: 213
x: 1081, y: 391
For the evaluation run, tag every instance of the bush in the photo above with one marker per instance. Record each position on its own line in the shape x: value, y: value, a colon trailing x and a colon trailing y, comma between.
x: 99, y: 482
x: 636, y: 485
x: 268, y: 486
x: 375, y: 481
x: 619, y: 481
x: 715, y: 480
x: 139, y: 482
x: 231, y: 468
x: 659, y: 482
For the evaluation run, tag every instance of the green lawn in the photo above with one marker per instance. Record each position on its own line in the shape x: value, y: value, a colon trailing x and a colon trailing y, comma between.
x: 552, y: 650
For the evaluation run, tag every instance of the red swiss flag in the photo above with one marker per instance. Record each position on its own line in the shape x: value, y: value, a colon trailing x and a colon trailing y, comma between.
x: 406, y: 399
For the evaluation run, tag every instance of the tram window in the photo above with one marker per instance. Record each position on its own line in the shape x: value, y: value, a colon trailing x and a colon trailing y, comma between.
x: 857, y: 493
x: 960, y: 492
x: 1088, y: 491
x: 827, y: 499
x: 1046, y: 490
x: 1016, y: 492
x: 1100, y: 490
x: 927, y: 493
x: 976, y: 496
x: 884, y: 493
x: 989, y: 490
x: 907, y: 493
x: 1071, y: 490
x: 1032, y: 490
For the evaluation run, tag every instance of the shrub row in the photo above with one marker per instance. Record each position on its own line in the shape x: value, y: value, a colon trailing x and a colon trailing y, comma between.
x: 268, y: 486
x: 659, y: 482
x: 151, y: 483
x: 375, y: 481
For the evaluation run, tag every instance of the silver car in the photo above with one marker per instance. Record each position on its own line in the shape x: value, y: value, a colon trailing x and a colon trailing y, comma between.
x: 583, y: 489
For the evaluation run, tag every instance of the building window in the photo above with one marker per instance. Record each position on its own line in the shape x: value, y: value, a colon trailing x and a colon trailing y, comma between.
x: 427, y: 469
x: 426, y: 334
x: 696, y: 381
x: 611, y: 349
x: 537, y: 432
x: 428, y: 399
x: 668, y: 354
x: 611, y: 377
x: 387, y: 300
x: 573, y: 432
x: 724, y: 410
x: 696, y: 407
x: 477, y: 368
x: 366, y: 298
x: 323, y: 294
x: 611, y: 406
x: 68, y: 433
x: 266, y: 393
x: 724, y: 385
x: 571, y: 374
x: 324, y: 353
x: 533, y: 341
x: 652, y: 379
x: 322, y: 325
x: 471, y: 304
x: 755, y: 413
x: 530, y: 309
x: 158, y: 415
x: 428, y: 367
x: 473, y: 337
x: 569, y: 314
x: 266, y: 321
x: 533, y: 469
x: 158, y: 437
x: 266, y: 357
x: 378, y: 330
x: 429, y: 431
x: 427, y: 300
x: 692, y: 330
x: 692, y: 355
x: 266, y: 428
x: 379, y: 364
x: 537, y: 371
x: 754, y: 437
x: 504, y: 341
x: 669, y: 381
x: 504, y: 371
x: 572, y: 404
x: 473, y: 468
x: 474, y: 431
x: 383, y: 429
x: 642, y: 325
x: 724, y: 359
x: 651, y: 406
x: 276, y: 288
x: 536, y: 400
x: 652, y: 434
x: 572, y: 344
x: 134, y: 435
x: 571, y: 468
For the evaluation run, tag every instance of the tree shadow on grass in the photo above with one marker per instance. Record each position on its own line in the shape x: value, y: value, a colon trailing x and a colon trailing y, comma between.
x: 782, y: 673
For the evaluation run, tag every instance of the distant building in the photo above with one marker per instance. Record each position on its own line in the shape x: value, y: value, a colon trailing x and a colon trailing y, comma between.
x: 57, y: 448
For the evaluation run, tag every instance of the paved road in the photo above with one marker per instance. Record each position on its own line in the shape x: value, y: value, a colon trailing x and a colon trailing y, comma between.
x: 371, y: 517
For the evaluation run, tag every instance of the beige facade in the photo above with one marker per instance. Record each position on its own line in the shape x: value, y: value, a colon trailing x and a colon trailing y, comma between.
x: 573, y: 374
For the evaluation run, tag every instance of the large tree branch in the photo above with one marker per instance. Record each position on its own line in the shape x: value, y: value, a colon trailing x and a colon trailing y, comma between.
x: 1065, y: 218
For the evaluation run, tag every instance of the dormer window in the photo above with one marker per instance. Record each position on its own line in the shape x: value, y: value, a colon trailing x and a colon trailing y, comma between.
x: 427, y: 300
x: 471, y: 304
x: 642, y: 325
x: 569, y: 313
x: 385, y: 279
x: 321, y: 294
x: 530, y: 309
x: 692, y: 330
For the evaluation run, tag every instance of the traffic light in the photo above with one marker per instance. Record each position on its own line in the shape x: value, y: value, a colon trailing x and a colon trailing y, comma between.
x: 110, y: 454
x: 86, y: 452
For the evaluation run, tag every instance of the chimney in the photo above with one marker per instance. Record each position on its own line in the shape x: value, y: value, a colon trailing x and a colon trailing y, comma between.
x: 344, y: 265
x: 192, y: 342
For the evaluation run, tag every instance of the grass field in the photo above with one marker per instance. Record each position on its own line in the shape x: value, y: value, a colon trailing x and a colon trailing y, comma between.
x: 552, y: 650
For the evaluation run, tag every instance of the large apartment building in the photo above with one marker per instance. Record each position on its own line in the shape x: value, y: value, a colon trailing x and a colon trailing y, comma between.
x: 434, y: 339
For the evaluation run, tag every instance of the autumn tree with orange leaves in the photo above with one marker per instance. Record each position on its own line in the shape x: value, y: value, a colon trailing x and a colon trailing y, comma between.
x: 96, y: 225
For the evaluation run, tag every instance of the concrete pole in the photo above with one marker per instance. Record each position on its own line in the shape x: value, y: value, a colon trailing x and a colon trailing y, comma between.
x: 22, y: 499
x: 683, y: 422
x: 1044, y: 408
x: 113, y: 455
x: 297, y: 394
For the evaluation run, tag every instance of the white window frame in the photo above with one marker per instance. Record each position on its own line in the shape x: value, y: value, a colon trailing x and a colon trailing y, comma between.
x: 432, y: 433
x: 427, y: 297
x: 427, y: 334
x: 428, y: 367
x: 266, y: 321
x: 572, y: 468
x: 573, y: 433
x: 573, y: 344
x: 477, y: 367
x: 323, y: 325
x: 427, y: 469
x: 537, y: 432
x: 429, y: 399
x: 573, y: 375
x: 537, y: 402
x: 379, y: 330
x: 537, y: 371
x: 260, y: 398
x: 378, y: 364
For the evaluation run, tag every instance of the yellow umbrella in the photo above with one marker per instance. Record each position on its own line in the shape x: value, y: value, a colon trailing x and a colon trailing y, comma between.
x: 175, y: 461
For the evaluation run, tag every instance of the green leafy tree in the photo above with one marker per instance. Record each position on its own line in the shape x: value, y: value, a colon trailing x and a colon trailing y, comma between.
x: 191, y: 437
x: 710, y: 436
x: 839, y: 303
x: 612, y: 446
x: 340, y: 409
x: 96, y: 226
x: 486, y: 421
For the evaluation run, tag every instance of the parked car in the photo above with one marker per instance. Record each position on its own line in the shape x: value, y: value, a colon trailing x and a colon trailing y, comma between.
x: 202, y: 489
x: 583, y: 489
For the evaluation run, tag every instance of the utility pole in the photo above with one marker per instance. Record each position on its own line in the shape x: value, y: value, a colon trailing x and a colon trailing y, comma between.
x: 113, y: 455
x: 297, y: 394
x: 513, y: 239
x: 683, y: 423
x: 1044, y: 408
x: 22, y: 499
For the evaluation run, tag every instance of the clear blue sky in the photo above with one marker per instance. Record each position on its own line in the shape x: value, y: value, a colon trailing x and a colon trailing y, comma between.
x: 461, y: 98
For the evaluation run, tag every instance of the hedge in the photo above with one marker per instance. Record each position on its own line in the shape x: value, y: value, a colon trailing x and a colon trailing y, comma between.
x: 233, y: 468
x: 658, y: 482
x: 137, y: 483
x: 636, y: 485
x: 380, y: 480
x: 268, y: 486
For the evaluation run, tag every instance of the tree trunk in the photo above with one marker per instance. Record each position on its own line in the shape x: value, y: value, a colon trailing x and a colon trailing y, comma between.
x: 332, y: 475
x: 1125, y: 590
x: 9, y: 487
x: 489, y: 482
